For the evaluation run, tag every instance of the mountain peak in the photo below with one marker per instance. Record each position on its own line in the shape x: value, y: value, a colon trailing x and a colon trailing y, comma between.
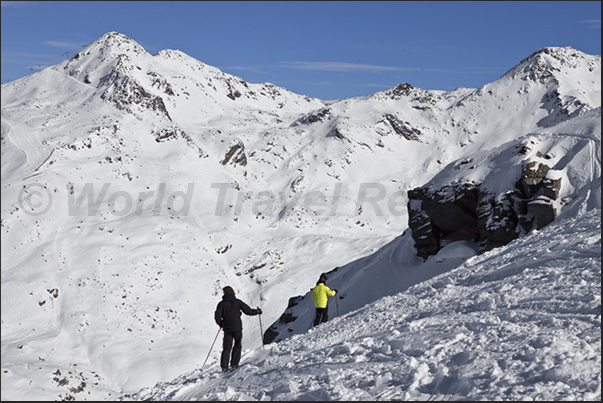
x: 556, y: 52
x: 116, y: 43
x: 109, y: 54
x: 545, y: 63
x: 556, y: 57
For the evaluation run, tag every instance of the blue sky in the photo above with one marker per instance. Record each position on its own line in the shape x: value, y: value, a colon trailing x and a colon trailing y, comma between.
x: 327, y: 50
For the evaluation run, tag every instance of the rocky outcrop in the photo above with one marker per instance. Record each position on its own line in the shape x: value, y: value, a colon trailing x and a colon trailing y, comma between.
x: 272, y: 333
x: 399, y: 91
x: 338, y: 134
x: 235, y: 155
x: 173, y: 133
x: 541, y: 191
x: 468, y: 211
x: 402, y: 128
x: 544, y: 64
x: 318, y: 116
x: 418, y: 95
x: 161, y: 83
x: 126, y: 94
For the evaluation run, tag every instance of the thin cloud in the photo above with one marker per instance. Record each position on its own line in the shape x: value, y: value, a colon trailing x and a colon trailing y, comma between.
x: 342, y: 67
x: 251, y: 69
x: 15, y: 3
x: 25, y: 57
x: 68, y: 45
x: 592, y: 24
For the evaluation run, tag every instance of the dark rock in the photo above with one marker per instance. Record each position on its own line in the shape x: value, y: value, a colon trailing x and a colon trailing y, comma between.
x: 500, y: 226
x: 399, y: 91
x: 454, y: 212
x: 235, y: 155
x: 287, y: 318
x: 167, y: 134
x: 269, y: 335
x: 453, y: 208
x: 524, y: 150
x: 294, y: 301
x: 551, y: 188
x: 272, y: 333
x: 403, y: 128
x: 534, y: 182
x: 543, y: 211
x: 320, y: 115
x: 125, y: 92
x: 173, y: 133
x: 161, y: 83
x: 533, y: 174
x: 425, y: 234
x: 337, y: 134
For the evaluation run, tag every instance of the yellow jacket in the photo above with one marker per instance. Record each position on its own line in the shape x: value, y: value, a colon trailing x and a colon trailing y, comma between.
x: 320, y: 294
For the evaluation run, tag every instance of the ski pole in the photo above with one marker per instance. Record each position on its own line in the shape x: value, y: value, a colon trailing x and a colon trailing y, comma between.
x: 261, y: 331
x: 212, y: 346
x: 337, y: 305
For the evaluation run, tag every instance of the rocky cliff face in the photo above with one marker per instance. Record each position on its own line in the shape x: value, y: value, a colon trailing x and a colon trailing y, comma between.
x: 491, y: 211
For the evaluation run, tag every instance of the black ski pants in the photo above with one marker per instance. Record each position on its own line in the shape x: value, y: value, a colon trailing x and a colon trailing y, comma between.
x: 322, y: 315
x: 229, y: 337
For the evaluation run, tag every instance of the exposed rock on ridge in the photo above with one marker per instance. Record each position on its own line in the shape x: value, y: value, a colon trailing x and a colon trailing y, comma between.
x: 473, y: 212
x: 127, y: 94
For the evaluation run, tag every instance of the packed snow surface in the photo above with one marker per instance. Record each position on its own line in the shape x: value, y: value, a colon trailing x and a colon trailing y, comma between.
x: 522, y: 322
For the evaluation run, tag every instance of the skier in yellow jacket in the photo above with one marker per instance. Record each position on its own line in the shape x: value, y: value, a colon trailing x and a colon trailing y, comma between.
x: 320, y: 295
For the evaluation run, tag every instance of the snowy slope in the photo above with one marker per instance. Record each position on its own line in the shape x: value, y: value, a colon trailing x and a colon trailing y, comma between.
x: 521, y: 322
x: 573, y: 149
x: 136, y: 186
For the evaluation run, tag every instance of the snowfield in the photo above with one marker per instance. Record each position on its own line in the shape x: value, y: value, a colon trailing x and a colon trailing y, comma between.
x: 522, y: 322
x: 136, y: 186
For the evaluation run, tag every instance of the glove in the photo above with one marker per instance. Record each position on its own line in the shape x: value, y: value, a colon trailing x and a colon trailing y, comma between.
x: 259, y: 310
x: 335, y: 290
x: 220, y: 324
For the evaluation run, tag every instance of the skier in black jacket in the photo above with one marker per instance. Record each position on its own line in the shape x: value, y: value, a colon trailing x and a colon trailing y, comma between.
x: 228, y: 317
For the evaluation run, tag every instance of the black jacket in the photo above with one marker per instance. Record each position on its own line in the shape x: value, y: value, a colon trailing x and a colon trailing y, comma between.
x: 228, y: 313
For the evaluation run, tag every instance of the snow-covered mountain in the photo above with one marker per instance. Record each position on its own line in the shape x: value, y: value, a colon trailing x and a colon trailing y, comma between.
x: 136, y: 186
